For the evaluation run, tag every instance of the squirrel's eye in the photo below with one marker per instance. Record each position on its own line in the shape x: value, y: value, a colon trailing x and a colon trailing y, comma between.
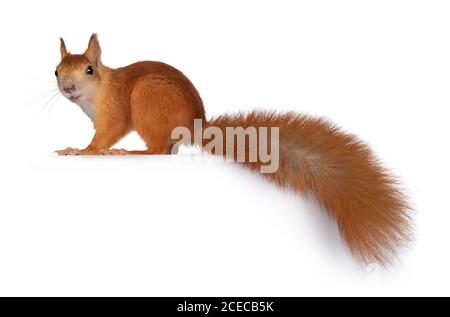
x: 89, y: 70
x: 56, y: 73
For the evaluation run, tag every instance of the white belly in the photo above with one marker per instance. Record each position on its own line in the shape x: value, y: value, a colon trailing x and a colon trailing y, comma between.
x: 88, y: 108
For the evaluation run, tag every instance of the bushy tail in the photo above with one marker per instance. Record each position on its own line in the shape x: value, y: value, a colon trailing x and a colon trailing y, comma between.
x: 346, y: 178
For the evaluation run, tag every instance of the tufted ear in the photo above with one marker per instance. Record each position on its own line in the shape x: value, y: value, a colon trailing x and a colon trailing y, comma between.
x: 63, y: 48
x: 93, y: 52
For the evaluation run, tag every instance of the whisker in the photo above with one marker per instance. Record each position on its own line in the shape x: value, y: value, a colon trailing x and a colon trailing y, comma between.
x: 53, y: 104
x: 41, y: 80
x: 48, y: 101
x: 40, y: 88
x: 40, y: 96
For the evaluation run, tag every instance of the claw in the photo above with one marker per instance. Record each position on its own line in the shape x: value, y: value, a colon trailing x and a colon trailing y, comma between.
x: 105, y: 152
x: 68, y: 151
x: 118, y: 152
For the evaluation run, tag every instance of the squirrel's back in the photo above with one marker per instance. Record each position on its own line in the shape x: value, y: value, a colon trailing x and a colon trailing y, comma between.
x: 130, y: 75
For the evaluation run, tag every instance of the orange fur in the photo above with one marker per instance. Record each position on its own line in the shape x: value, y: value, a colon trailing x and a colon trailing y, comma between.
x: 315, y: 157
x: 151, y: 97
x: 343, y: 174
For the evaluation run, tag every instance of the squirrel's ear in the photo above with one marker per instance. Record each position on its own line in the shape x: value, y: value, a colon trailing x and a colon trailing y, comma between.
x: 63, y: 49
x: 93, y: 51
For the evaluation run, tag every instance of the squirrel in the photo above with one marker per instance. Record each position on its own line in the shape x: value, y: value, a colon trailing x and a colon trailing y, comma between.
x: 315, y: 156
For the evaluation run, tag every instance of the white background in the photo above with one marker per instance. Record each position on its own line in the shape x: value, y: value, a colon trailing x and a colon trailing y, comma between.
x: 187, y: 225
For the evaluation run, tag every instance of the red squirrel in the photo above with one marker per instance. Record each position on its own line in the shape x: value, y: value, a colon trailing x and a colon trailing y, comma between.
x: 315, y: 156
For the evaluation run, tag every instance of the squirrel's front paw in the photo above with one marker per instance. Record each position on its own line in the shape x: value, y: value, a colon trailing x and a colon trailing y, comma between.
x: 68, y: 151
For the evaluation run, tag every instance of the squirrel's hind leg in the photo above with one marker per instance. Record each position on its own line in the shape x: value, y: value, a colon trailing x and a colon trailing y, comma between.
x: 158, y: 105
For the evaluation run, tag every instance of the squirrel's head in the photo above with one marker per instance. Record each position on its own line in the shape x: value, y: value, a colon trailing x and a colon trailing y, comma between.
x: 78, y: 75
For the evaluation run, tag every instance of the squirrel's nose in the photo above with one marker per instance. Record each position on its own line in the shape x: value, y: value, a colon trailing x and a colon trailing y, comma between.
x: 69, y: 88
